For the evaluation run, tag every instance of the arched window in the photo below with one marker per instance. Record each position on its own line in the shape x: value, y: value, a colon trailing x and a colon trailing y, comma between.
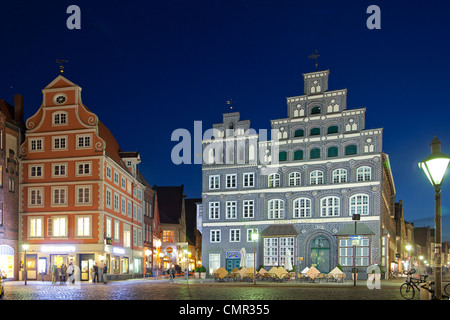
x: 315, y: 132
x: 332, y: 129
x: 315, y: 153
x: 302, y: 208
x: 339, y: 176
x: 274, y: 180
x: 359, y: 204
x: 294, y: 179
x: 329, y: 207
x: 364, y: 174
x: 282, y: 156
x: 315, y: 110
x: 299, y: 133
x: 332, y: 152
x: 316, y: 177
x: 351, y: 149
x: 275, y: 209
x: 298, y: 155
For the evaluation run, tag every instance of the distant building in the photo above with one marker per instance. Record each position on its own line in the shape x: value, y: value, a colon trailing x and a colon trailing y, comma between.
x: 193, y: 235
x: 11, y: 137
x: 329, y: 168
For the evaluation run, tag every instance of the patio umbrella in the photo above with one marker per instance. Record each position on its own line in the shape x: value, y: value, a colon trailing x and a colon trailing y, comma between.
x: 287, y: 262
x: 243, y: 258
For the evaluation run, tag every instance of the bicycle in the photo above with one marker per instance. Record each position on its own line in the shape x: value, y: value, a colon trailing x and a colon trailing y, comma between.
x: 408, y: 289
x: 394, y: 274
x: 2, y: 285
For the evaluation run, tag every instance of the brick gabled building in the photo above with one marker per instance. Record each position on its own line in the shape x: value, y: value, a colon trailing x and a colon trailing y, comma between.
x: 11, y: 136
x: 80, y: 198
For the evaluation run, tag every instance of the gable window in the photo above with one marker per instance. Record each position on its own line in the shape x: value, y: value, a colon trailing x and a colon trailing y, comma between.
x: 36, y: 144
x: 84, y: 141
x: 60, y: 117
x: 351, y: 149
x: 332, y: 152
x: 298, y: 155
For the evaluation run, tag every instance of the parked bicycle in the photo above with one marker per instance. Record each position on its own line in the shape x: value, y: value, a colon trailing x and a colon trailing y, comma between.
x: 394, y: 274
x: 408, y: 289
x: 2, y: 284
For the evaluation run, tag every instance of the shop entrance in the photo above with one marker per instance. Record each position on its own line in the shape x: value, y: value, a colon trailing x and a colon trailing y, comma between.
x: 320, y: 254
x: 232, y: 263
x: 7, y: 260
x: 86, y: 264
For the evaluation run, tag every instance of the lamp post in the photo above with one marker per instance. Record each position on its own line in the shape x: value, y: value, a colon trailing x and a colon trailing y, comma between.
x: 435, y: 166
x: 408, y: 248
x: 356, y: 218
x: 25, y: 248
x: 255, y: 237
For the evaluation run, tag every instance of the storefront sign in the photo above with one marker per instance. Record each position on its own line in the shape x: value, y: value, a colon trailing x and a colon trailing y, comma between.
x: 58, y: 249
x: 119, y: 250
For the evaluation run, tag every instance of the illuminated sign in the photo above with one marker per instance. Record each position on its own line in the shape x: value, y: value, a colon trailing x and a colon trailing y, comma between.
x: 119, y: 250
x: 58, y: 248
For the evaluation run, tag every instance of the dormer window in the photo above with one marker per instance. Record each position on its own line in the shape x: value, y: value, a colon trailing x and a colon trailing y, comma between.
x: 129, y: 163
x: 59, y: 117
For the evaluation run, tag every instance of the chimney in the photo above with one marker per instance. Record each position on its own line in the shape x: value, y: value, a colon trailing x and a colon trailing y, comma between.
x: 18, y: 109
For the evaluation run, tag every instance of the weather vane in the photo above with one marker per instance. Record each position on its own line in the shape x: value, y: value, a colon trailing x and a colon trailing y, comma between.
x: 316, y: 57
x: 230, y: 102
x: 61, y: 62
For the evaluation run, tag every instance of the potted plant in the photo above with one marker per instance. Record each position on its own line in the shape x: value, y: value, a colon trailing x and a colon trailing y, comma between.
x: 202, y: 272
x: 354, y: 273
x: 197, y: 272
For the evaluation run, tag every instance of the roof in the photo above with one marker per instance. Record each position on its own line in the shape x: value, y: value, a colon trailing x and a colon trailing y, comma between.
x: 349, y: 229
x: 280, y: 230
x: 170, y: 203
x: 112, y: 147
x: 129, y: 154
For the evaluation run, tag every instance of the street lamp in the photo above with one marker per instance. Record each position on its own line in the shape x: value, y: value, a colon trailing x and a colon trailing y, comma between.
x: 255, y: 237
x: 356, y: 218
x: 25, y: 248
x: 435, y: 166
x: 408, y: 248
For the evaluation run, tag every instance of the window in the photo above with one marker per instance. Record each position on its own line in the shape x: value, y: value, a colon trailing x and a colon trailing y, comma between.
x: 275, y: 250
x: 116, y: 202
x: 316, y: 177
x: 59, y: 196
x: 329, y: 207
x: 282, y: 156
x: 168, y: 236
x: 36, y: 171
x: 235, y: 235
x: 249, y: 234
x: 271, y: 251
x: 36, y: 144
x: 315, y: 132
x: 35, y: 197
x: 83, y: 195
x: 274, y: 180
x: 59, y: 117
x: 359, y: 204
x: 339, y: 176
x: 123, y: 183
x: 129, y: 209
x: 116, y: 178
x: 59, y: 227
x: 230, y: 208
x: 83, y: 168
x: 294, y: 179
x: 231, y: 181
x: 276, y: 209
x: 126, y: 236
x: 116, y: 231
x: 298, y: 155
x: 364, y: 174
x: 59, y: 170
x: 346, y: 252
x: 108, y: 198
x: 249, y: 180
x: 302, y: 208
x: 35, y: 227
x: 315, y: 110
x: 332, y: 152
x: 108, y: 172
x: 351, y: 149
x: 248, y: 209
x: 214, y: 236
x: 315, y: 153
x: 332, y: 129
x: 59, y: 143
x: 83, y: 226
x: 123, y: 206
x: 108, y: 224
x: 84, y: 141
x: 299, y: 133
x: 214, y: 210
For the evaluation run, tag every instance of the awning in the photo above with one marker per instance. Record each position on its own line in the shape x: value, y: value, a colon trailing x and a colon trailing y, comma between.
x: 280, y: 230
x: 349, y: 229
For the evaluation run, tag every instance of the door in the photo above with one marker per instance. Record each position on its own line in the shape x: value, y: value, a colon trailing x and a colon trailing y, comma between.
x: 232, y: 263
x: 86, y: 264
x: 320, y: 254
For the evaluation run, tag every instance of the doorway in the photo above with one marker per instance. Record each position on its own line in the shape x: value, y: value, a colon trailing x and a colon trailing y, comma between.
x: 232, y: 263
x: 320, y: 254
x: 86, y: 264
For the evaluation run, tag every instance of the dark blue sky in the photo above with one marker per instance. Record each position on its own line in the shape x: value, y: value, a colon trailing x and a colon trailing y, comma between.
x: 150, y: 67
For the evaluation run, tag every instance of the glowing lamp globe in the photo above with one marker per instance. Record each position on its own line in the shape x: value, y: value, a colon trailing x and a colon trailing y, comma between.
x: 436, y: 164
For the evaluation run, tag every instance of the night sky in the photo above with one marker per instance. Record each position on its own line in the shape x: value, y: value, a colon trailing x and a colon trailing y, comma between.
x: 148, y: 68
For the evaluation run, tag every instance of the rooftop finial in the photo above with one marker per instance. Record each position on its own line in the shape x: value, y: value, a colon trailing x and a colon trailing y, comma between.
x: 61, y: 62
x: 230, y: 103
x: 316, y: 57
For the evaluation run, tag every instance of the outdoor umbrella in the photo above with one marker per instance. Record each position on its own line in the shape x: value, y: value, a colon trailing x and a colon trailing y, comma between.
x: 243, y: 258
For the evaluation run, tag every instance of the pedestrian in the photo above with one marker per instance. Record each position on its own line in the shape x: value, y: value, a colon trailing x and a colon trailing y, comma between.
x: 54, y: 273
x: 105, y: 270
x: 95, y: 272
x: 71, y: 272
x: 63, y: 273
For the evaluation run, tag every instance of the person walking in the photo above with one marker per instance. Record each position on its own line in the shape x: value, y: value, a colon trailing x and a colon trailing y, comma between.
x: 105, y: 270
x: 54, y: 273
x: 63, y: 273
x: 71, y: 272
x: 95, y: 272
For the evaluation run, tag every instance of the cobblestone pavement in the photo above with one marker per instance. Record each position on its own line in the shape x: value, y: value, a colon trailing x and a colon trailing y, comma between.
x: 145, y: 289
